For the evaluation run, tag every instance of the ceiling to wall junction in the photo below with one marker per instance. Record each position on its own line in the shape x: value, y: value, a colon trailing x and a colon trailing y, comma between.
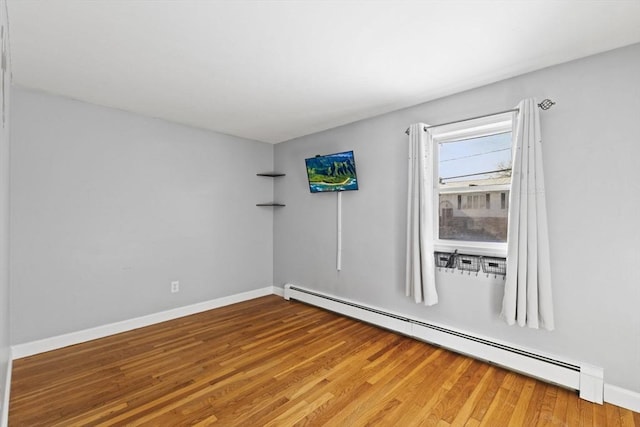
x: 275, y: 70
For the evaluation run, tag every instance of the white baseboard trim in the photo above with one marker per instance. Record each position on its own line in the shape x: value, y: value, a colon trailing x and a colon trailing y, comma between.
x: 4, y: 410
x: 624, y: 398
x: 53, y: 343
x: 615, y: 395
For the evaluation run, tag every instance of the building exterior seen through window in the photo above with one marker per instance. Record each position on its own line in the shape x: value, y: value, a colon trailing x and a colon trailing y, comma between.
x: 473, y: 181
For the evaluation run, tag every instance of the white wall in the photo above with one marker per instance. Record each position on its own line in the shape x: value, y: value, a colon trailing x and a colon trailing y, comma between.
x: 4, y: 216
x: 593, y: 193
x: 109, y: 207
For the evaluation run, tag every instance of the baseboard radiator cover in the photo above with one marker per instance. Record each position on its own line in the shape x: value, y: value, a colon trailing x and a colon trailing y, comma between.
x: 588, y: 379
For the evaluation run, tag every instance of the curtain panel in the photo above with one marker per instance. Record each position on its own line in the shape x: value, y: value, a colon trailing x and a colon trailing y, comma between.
x: 420, y: 271
x: 527, y: 294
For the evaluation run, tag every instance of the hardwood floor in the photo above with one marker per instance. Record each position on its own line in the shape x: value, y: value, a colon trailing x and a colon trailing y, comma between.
x: 273, y: 362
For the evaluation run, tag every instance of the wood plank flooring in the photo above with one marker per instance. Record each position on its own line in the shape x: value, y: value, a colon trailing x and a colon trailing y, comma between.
x: 273, y: 362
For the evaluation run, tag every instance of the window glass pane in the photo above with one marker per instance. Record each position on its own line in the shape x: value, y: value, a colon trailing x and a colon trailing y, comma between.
x: 476, y: 216
x: 476, y: 161
x: 477, y: 223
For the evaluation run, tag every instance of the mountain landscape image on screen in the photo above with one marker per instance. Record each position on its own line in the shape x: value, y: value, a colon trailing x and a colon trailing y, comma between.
x: 333, y: 172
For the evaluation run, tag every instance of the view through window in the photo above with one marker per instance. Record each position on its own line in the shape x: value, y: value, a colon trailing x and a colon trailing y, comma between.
x: 474, y: 176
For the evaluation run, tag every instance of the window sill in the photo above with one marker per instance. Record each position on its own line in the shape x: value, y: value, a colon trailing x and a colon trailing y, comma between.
x: 498, y: 250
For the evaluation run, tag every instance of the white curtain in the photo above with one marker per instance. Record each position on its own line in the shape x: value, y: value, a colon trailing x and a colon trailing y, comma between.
x: 420, y: 279
x: 527, y: 293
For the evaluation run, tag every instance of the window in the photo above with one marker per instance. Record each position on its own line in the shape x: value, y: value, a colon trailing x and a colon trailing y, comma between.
x: 472, y: 166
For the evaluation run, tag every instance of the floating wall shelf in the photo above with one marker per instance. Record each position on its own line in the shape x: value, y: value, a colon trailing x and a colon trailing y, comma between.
x: 271, y: 175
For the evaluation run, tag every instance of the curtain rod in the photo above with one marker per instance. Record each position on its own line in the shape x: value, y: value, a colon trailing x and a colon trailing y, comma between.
x: 544, y: 105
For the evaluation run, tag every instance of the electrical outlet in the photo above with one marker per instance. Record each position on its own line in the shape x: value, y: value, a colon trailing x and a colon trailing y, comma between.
x: 175, y: 287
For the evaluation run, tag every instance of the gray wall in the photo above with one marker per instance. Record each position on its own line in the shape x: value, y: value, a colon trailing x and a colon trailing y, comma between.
x: 109, y: 207
x: 593, y: 193
x: 4, y: 216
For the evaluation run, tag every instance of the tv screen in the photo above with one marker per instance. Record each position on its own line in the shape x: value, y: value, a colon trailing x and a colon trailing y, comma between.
x: 333, y: 172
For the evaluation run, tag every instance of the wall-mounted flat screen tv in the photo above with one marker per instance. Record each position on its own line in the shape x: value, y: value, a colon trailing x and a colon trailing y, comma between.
x: 333, y: 172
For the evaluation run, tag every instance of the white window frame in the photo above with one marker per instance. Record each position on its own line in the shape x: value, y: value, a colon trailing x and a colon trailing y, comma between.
x: 469, y: 129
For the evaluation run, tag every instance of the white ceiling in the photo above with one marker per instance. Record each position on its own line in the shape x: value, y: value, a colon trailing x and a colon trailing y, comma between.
x: 276, y: 70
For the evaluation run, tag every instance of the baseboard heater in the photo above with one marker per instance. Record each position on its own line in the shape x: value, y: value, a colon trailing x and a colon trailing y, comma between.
x: 588, y: 379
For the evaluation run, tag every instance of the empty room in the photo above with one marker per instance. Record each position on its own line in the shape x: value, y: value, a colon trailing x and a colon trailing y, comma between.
x: 341, y: 213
